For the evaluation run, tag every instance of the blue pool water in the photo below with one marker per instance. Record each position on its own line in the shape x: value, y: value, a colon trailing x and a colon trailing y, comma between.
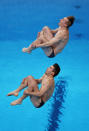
x: 68, y: 109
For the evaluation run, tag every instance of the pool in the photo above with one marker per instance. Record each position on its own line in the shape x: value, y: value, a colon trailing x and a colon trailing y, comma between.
x: 67, y: 110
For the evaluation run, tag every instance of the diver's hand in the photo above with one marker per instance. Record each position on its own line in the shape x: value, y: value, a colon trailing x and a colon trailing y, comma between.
x: 37, y: 45
x: 26, y: 92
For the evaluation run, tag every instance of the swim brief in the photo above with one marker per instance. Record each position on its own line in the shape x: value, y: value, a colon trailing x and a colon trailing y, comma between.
x: 41, y: 104
x: 52, y: 54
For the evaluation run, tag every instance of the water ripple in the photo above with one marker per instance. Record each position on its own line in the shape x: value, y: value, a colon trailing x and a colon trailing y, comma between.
x: 57, y: 104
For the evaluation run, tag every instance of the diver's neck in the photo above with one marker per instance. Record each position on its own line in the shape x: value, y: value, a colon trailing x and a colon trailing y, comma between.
x: 63, y: 27
x: 48, y: 75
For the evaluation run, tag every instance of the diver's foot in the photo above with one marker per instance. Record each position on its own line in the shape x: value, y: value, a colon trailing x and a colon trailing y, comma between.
x: 15, y: 93
x: 26, y: 50
x: 16, y: 102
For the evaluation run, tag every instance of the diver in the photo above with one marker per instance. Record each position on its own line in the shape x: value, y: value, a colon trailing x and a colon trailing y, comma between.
x: 52, y: 41
x: 38, y: 96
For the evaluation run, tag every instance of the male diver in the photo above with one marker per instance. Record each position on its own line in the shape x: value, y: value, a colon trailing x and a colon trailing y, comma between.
x: 52, y: 41
x: 38, y: 97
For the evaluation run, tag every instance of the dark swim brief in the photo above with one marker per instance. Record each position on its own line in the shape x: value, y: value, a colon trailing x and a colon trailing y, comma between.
x: 52, y: 54
x: 41, y: 104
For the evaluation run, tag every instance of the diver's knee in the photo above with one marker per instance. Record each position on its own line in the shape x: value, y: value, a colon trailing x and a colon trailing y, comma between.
x: 29, y: 77
x: 45, y: 28
x: 23, y: 81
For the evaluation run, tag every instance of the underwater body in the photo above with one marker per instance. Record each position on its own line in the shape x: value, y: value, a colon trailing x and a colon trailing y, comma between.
x: 68, y: 107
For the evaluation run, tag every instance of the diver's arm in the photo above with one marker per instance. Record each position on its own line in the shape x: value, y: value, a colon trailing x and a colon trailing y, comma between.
x: 54, y: 31
x: 39, y: 80
x: 39, y: 93
x: 52, y: 42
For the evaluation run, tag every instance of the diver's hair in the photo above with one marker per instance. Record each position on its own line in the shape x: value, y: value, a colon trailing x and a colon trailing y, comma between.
x: 71, y: 20
x: 56, y: 69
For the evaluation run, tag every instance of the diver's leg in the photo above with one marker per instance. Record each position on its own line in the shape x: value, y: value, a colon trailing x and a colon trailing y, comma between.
x: 25, y: 94
x: 43, y: 36
x: 36, y: 100
x: 32, y: 46
x: 48, y: 35
x: 19, y: 101
x: 22, y: 86
x: 34, y: 86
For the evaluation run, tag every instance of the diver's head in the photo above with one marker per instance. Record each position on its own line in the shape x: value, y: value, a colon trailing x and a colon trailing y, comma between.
x: 56, y: 69
x: 67, y: 21
x: 53, y: 70
x: 71, y: 20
